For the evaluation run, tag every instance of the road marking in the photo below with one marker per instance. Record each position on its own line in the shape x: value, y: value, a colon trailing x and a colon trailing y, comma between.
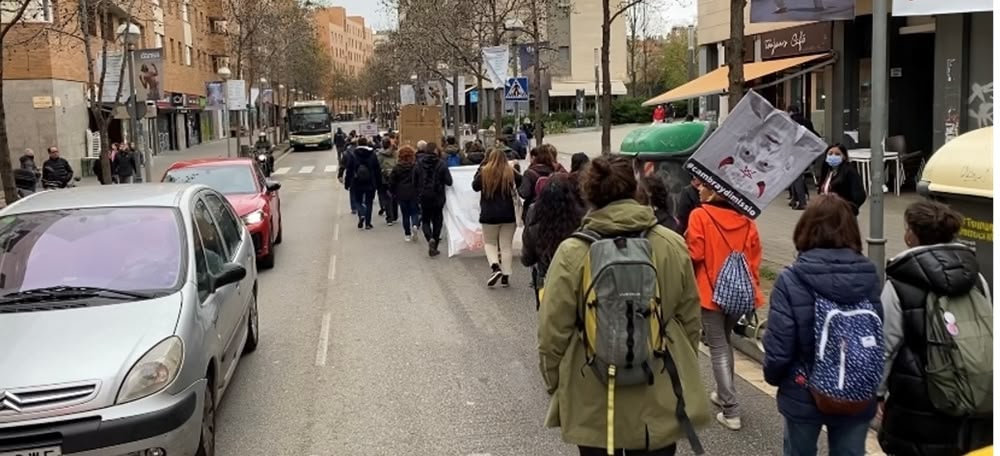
x: 324, y: 340
x: 336, y: 232
x: 306, y: 169
x: 333, y: 268
x: 283, y: 170
x: 330, y: 169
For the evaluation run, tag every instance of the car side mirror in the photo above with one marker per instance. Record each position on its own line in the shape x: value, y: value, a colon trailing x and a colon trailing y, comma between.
x: 272, y: 185
x: 231, y: 273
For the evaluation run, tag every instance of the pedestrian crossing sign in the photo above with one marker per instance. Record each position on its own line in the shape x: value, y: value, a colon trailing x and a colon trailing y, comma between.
x: 516, y: 90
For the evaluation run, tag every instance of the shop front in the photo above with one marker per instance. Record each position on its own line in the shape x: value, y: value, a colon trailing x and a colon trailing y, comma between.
x: 165, y: 124
x: 805, y: 87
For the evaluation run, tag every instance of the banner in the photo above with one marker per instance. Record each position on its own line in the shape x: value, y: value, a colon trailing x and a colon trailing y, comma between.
x: 801, y: 10
x: 148, y: 78
x: 111, y: 65
x: 407, y: 96
x: 461, y: 216
x: 236, y: 94
x: 214, y: 95
x: 450, y: 94
x: 755, y: 155
x: 496, y: 60
x: 434, y: 93
x: 930, y: 7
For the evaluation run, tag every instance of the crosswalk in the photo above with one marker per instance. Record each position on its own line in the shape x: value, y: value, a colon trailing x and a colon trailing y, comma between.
x: 288, y: 170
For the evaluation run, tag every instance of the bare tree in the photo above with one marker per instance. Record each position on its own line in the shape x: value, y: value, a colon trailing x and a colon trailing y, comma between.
x: 734, y: 51
x: 609, y: 17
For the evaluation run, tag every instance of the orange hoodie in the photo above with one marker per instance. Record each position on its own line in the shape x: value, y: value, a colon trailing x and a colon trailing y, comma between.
x: 709, y: 249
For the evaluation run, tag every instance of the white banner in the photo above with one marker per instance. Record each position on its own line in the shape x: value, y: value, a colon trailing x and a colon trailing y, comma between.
x: 407, y: 95
x: 497, y: 60
x: 236, y: 94
x: 461, y: 216
x: 930, y: 7
x: 755, y: 155
x: 112, y: 78
x: 450, y: 93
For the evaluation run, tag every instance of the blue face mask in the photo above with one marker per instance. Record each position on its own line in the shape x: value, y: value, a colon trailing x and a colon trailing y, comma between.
x: 834, y: 160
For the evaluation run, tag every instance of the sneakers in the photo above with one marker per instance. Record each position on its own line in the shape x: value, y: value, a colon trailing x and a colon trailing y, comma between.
x: 733, y: 424
x: 408, y: 238
x: 390, y: 223
x: 432, y: 249
x: 361, y: 224
x: 505, y: 281
x: 369, y: 227
x: 494, y: 275
x: 714, y: 397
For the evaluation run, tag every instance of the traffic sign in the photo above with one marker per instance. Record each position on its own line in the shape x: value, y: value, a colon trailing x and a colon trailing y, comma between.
x: 517, y: 89
x: 369, y: 129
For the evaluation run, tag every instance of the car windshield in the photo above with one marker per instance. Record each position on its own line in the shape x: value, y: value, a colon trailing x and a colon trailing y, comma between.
x: 121, y: 248
x: 228, y: 180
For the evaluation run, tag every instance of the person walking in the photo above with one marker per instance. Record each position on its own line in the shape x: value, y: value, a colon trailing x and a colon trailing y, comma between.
x: 345, y: 164
x: 659, y: 114
x: 56, y: 171
x: 453, y: 153
x: 363, y: 177
x: 842, y: 179
x: 829, y: 275
x: 932, y: 273
x: 689, y: 200
x: 556, y: 214
x: 653, y: 193
x: 496, y: 181
x: 430, y: 177
x: 125, y: 166
x: 474, y: 153
x: 340, y: 142
x: 798, y: 191
x: 386, y: 202
x: 543, y: 164
x: 716, y: 233
x: 624, y: 410
x: 404, y: 190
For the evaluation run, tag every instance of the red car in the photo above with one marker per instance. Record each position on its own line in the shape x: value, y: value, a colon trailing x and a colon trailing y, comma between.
x: 253, y: 196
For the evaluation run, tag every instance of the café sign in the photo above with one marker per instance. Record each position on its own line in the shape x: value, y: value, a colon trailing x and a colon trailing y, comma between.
x: 795, y: 41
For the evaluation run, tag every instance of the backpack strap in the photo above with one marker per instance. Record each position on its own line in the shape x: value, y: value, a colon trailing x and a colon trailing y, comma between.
x: 680, y: 412
x: 588, y: 236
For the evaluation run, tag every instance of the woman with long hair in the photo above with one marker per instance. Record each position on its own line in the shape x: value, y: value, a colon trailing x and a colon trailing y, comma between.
x: 404, y: 191
x: 554, y: 217
x: 842, y: 179
x: 543, y: 164
x: 497, y: 182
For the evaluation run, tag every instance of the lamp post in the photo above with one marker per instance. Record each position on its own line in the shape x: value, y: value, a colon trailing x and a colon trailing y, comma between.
x: 130, y: 34
x: 277, y: 113
x: 225, y: 74
x: 514, y: 28
x: 262, y: 117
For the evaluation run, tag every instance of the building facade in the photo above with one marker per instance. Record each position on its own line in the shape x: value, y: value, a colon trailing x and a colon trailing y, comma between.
x: 350, y: 44
x: 573, y: 29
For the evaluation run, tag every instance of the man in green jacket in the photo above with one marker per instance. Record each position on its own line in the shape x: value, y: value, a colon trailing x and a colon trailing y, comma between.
x: 645, y: 422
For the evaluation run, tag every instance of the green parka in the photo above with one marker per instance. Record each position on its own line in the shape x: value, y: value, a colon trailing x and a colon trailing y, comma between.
x: 643, y: 413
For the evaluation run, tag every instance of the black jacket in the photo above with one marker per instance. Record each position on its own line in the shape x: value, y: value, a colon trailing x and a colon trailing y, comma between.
x: 910, y: 425
x: 345, y: 161
x: 846, y: 183
x: 689, y: 201
x: 497, y: 209
x: 401, y: 183
x: 430, y: 170
x: 527, y: 186
x: 363, y: 156
x: 804, y: 121
x: 57, y: 170
x: 125, y: 164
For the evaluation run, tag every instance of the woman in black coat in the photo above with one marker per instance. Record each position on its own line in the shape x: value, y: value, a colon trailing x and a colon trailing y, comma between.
x: 842, y: 179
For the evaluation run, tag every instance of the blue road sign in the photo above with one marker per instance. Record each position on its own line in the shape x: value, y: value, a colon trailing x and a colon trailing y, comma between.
x: 474, y: 96
x: 516, y: 89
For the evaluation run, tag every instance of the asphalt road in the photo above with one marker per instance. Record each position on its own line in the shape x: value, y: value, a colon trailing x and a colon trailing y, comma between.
x: 369, y: 347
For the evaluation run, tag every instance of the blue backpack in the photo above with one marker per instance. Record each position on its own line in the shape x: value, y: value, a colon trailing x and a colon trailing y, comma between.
x: 849, y: 362
x: 454, y: 160
x: 733, y: 289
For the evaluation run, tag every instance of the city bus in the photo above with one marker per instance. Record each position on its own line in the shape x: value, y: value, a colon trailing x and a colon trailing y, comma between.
x: 310, y: 125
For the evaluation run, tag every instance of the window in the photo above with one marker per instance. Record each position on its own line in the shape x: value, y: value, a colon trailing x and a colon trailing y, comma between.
x: 170, y: 50
x: 159, y: 41
x: 187, y: 55
x: 202, y: 277
x: 232, y: 231
x: 211, y: 240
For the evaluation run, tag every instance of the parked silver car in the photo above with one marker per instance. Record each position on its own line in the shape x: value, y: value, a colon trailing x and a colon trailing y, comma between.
x: 123, y: 313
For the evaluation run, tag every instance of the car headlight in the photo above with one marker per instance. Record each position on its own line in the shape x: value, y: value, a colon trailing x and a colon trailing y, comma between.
x: 154, y: 371
x: 254, y: 217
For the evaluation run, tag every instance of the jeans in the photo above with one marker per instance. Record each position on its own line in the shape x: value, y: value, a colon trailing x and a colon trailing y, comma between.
x: 665, y: 451
x: 498, y: 241
x: 388, y: 205
x: 355, y: 202
x: 410, y: 212
x: 365, y: 199
x: 432, y: 218
x: 842, y: 440
x: 718, y: 329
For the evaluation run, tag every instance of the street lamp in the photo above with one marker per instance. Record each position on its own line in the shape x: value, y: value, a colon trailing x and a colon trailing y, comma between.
x: 261, y: 115
x: 130, y: 34
x: 277, y: 113
x: 514, y: 28
x: 225, y: 74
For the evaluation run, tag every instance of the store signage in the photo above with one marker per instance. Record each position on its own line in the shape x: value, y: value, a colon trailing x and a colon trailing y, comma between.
x: 177, y: 99
x: 791, y: 42
x: 191, y: 102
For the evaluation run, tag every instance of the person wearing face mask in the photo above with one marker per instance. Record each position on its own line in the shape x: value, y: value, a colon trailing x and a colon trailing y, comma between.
x: 842, y: 179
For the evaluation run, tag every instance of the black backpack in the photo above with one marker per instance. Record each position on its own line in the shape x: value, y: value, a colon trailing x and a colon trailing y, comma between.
x: 429, y: 186
x: 363, y: 175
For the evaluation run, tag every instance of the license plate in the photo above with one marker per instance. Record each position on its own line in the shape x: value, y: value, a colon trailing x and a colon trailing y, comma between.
x: 47, y: 451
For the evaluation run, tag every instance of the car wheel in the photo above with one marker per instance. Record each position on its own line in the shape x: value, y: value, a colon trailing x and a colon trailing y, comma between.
x: 253, y: 328
x: 206, y: 446
x: 281, y: 231
x: 267, y: 262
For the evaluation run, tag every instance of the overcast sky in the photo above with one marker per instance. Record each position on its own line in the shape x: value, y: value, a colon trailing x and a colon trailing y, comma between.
x: 674, y: 12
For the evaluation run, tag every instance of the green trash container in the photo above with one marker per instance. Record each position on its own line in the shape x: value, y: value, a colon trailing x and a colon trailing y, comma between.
x: 960, y: 174
x: 663, y: 148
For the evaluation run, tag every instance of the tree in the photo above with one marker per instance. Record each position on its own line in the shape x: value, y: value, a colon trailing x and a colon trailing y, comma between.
x: 674, y: 62
x: 609, y: 17
x: 734, y: 51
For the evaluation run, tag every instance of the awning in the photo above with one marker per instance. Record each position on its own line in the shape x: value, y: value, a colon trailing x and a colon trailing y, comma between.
x: 717, y: 81
x: 568, y: 88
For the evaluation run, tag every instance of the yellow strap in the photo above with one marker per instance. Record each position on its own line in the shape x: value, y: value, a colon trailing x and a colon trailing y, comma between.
x: 611, y: 410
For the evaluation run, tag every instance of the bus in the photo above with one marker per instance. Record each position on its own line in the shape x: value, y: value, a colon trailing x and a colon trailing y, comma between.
x: 309, y: 125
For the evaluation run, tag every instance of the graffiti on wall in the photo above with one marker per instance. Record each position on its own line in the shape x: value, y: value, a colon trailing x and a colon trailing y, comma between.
x: 951, y: 125
x: 981, y: 104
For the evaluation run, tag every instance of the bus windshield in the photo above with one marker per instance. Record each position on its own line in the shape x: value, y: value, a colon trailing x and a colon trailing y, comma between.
x: 309, y: 120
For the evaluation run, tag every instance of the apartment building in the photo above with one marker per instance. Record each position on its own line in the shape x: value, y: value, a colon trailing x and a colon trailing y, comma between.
x: 46, y: 73
x: 574, y: 29
x: 350, y: 44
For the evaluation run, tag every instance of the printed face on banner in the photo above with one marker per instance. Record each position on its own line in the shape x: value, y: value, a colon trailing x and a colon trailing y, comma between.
x: 800, y: 10
x: 754, y: 155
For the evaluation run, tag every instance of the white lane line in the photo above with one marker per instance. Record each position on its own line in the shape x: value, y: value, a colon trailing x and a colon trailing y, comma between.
x: 306, y: 169
x: 332, y: 274
x: 336, y: 232
x: 330, y: 169
x: 324, y: 340
x: 282, y: 170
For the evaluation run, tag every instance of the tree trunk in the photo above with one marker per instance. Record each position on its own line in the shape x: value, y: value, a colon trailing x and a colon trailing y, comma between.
x: 480, y: 101
x: 457, y: 108
x: 606, y: 79
x: 734, y: 53
x: 6, y: 170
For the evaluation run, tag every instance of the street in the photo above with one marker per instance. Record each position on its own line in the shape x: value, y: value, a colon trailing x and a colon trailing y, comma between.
x: 369, y: 347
